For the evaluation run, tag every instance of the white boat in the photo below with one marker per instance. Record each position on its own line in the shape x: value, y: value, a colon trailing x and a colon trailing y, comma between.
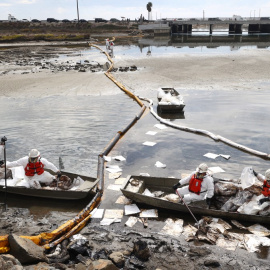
x: 169, y: 100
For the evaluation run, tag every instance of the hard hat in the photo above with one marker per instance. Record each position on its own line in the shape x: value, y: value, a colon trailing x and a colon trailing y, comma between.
x: 267, y: 175
x: 202, y: 168
x: 34, y: 153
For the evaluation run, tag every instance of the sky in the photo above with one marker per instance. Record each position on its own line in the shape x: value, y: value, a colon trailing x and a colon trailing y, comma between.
x: 90, y: 9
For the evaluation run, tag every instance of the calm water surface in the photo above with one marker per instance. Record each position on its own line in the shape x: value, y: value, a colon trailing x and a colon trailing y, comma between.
x: 79, y: 128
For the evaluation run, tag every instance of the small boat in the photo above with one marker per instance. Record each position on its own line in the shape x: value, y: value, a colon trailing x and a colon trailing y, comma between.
x: 135, y: 186
x: 87, y: 188
x: 169, y: 100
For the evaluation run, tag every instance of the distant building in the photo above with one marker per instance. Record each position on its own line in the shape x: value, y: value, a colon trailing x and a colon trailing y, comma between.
x: 11, y: 18
x: 237, y: 18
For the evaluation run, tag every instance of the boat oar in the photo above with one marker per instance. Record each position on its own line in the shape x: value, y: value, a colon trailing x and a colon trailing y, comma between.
x: 197, y: 222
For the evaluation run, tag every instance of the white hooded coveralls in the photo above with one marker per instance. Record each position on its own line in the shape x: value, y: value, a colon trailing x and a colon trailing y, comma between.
x: 207, y: 189
x: 45, y: 177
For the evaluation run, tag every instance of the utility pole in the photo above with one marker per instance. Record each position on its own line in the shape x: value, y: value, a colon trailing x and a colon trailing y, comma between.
x: 78, y: 11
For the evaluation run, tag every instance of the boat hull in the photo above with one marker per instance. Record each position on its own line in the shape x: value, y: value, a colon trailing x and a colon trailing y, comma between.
x: 86, y: 190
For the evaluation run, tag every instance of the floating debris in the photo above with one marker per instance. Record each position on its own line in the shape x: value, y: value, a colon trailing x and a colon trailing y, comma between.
x: 149, y: 143
x: 106, y: 158
x: 149, y: 213
x: 119, y: 158
x: 131, y: 209
x: 160, y: 165
x: 120, y: 181
x: 97, y: 213
x: 152, y: 133
x: 131, y: 221
x: 113, y: 168
x: 114, y: 187
x: 238, y: 225
x: 258, y: 230
x: 160, y: 126
x: 174, y: 228
x: 109, y: 221
x: 252, y: 242
x: 123, y: 200
x: 189, y: 232
x: 113, y: 213
x: 147, y: 192
x: 144, y: 174
x: 115, y: 175
x: 214, y: 156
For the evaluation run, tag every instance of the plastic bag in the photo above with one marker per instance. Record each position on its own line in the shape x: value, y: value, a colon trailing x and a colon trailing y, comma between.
x: 172, y: 198
x: 247, y: 177
x: 250, y: 208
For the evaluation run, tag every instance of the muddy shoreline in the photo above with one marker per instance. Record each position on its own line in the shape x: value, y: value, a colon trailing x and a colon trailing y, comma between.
x: 246, y: 70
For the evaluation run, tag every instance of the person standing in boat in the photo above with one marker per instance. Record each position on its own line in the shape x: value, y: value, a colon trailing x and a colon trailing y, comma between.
x: 34, y: 166
x: 200, y: 186
x: 266, y: 186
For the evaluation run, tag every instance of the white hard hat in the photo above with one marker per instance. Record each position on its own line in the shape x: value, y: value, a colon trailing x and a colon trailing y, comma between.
x: 34, y: 153
x: 267, y: 175
x: 202, y: 168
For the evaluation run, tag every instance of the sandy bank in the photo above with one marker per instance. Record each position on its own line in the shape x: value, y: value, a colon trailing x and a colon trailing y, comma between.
x: 241, y: 70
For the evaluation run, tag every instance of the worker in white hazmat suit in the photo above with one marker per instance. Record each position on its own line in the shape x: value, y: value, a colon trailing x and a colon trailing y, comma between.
x: 107, y: 41
x: 200, y: 186
x: 266, y: 186
x: 34, y: 166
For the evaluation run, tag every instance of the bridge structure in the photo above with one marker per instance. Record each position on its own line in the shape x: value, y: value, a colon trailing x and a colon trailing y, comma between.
x: 235, y: 42
x: 188, y: 26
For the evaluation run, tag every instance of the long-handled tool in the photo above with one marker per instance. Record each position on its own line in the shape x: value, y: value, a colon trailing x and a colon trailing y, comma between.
x: 197, y: 222
x: 3, y: 142
x: 61, y: 167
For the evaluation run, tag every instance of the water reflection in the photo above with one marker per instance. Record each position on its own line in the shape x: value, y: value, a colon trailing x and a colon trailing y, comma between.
x: 75, y: 128
x: 196, y: 43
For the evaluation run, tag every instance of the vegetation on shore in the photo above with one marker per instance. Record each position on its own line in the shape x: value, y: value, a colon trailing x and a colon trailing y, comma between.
x: 17, y: 31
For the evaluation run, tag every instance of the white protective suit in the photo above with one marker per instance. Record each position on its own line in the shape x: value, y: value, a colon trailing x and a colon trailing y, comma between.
x: 45, y: 177
x: 207, y: 189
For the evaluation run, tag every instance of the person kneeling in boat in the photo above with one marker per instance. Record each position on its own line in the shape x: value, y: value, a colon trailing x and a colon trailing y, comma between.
x: 200, y: 186
x: 34, y: 166
x: 266, y: 186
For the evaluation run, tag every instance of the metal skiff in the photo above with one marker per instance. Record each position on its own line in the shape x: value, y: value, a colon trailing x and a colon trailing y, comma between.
x: 134, y: 192
x: 84, y: 190
x: 170, y: 108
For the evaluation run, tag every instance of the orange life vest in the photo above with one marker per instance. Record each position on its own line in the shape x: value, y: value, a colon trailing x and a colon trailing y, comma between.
x: 195, y: 184
x: 34, y: 168
x: 266, y: 189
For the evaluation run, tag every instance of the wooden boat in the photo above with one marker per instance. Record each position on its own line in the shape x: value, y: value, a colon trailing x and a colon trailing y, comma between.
x: 164, y: 106
x: 84, y: 190
x: 135, y: 186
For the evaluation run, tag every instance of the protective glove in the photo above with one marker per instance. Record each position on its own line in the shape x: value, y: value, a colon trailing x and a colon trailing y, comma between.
x: 59, y: 174
x: 263, y: 200
x: 176, y: 186
x: 255, y: 173
x: 208, y: 201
